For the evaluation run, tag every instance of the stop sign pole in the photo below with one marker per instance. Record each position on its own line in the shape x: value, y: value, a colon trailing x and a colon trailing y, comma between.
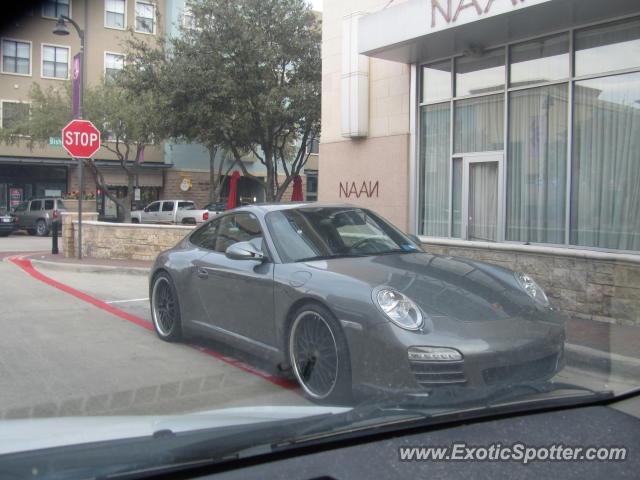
x: 82, y: 140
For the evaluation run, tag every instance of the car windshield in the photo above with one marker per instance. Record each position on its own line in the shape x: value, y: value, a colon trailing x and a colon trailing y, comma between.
x: 331, y: 232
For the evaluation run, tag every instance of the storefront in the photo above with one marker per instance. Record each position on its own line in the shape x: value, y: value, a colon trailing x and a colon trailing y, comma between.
x: 497, y: 129
x: 20, y: 180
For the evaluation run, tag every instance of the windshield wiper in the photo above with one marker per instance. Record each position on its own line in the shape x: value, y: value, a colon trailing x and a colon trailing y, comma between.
x: 334, y: 255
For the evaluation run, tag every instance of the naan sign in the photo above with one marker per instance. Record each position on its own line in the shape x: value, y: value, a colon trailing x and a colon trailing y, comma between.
x: 447, y: 13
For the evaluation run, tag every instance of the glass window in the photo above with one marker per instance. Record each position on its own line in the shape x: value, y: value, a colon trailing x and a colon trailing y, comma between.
x: 605, y: 48
x: 457, y: 198
x: 313, y: 146
x: 241, y: 227
x: 16, y: 57
x: 186, y: 206
x: 35, y: 206
x: 479, y: 124
x: 114, y: 13
x: 145, y: 21
x: 55, y: 62
x: 434, y: 169
x: 205, y: 236
x: 605, y: 170
x: 55, y: 8
x: 542, y: 60
x: 48, y: 204
x: 154, y: 207
x: 113, y: 63
x: 167, y: 206
x: 14, y: 113
x: 536, y: 170
x: 436, y: 82
x: 480, y: 73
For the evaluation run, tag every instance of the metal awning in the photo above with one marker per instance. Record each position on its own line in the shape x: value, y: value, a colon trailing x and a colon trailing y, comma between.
x: 48, y: 161
x: 117, y: 177
x: 423, y: 30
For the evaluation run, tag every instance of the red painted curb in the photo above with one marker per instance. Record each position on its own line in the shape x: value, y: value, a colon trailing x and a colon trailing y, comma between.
x: 28, y: 267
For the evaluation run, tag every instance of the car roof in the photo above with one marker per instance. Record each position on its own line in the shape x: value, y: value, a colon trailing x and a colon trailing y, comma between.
x: 272, y: 207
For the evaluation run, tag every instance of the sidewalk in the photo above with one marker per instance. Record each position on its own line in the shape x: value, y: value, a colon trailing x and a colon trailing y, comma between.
x: 598, y: 346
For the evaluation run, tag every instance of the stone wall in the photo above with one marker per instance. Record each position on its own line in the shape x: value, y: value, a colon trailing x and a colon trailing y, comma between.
x: 583, y: 284
x: 123, y: 241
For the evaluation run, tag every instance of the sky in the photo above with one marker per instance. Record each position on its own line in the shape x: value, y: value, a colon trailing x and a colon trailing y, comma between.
x: 317, y: 4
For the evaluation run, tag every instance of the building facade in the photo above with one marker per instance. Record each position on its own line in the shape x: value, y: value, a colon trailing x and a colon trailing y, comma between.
x: 32, y: 53
x: 504, y: 130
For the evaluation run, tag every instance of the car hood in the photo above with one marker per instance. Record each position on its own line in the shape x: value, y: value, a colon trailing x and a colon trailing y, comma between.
x: 454, y: 287
x: 38, y: 433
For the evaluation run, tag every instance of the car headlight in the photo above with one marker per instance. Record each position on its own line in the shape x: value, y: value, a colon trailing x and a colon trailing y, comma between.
x: 399, y: 309
x: 534, y: 290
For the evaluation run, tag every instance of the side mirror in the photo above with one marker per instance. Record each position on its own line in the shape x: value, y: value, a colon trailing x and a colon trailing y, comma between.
x: 243, y: 251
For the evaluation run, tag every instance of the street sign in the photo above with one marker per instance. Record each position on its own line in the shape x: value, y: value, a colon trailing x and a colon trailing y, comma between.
x: 55, y: 141
x: 81, y: 138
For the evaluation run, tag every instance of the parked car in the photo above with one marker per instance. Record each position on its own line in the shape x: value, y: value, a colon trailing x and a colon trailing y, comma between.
x: 216, y: 207
x: 37, y: 215
x: 7, y: 223
x: 170, y: 211
x: 352, y: 305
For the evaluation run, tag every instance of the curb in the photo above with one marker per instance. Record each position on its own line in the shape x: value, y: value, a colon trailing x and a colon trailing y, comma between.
x: 601, y: 362
x: 91, y: 268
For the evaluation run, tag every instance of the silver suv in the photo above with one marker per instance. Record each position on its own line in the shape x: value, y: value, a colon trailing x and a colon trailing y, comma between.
x: 36, y: 215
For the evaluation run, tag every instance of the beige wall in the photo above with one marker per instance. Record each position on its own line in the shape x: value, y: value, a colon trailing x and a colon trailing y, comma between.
x: 98, y: 40
x: 383, y: 156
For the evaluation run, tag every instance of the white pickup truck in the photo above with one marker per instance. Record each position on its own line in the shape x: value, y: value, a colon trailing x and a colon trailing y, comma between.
x: 170, y: 211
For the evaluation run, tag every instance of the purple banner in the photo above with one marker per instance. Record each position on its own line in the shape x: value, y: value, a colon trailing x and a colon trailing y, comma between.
x: 77, y: 85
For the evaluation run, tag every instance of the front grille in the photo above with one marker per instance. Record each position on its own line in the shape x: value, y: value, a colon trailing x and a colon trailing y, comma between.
x: 521, y: 372
x: 433, y: 374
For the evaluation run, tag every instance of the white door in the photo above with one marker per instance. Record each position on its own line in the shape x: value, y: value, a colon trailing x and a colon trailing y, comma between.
x: 482, y: 206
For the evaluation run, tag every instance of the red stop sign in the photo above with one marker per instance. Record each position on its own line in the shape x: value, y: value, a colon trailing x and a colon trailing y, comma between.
x: 80, y: 138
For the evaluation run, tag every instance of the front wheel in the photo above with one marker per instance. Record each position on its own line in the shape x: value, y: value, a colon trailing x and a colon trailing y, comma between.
x: 41, y: 228
x: 319, y: 355
x: 165, y: 309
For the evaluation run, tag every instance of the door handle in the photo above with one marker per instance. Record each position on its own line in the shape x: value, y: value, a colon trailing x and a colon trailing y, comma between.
x: 202, y: 273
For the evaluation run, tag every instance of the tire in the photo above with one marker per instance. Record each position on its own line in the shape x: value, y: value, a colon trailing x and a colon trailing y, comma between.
x: 31, y: 231
x: 165, y: 308
x: 135, y: 220
x: 42, y: 230
x: 319, y: 355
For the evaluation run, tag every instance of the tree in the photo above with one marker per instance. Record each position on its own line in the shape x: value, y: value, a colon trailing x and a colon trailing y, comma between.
x: 127, y: 123
x: 244, y: 77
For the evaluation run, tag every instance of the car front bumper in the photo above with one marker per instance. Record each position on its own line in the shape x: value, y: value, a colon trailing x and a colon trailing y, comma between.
x: 380, y: 360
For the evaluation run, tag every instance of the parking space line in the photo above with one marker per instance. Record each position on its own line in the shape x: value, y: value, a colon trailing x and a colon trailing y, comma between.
x: 27, y: 266
x: 127, y: 301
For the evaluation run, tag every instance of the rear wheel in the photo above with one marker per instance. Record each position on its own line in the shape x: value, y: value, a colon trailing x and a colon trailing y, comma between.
x: 31, y: 231
x: 165, y: 309
x: 319, y: 355
x: 42, y: 230
x: 135, y: 220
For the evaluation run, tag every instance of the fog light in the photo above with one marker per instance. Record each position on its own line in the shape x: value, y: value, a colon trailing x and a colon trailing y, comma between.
x: 434, y: 354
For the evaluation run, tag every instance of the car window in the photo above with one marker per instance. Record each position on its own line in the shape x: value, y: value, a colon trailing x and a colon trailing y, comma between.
x: 154, y: 207
x: 35, y: 205
x: 205, y: 236
x: 241, y: 227
x: 60, y: 204
x: 48, y: 204
x: 21, y: 207
x: 186, y: 206
x: 167, y: 206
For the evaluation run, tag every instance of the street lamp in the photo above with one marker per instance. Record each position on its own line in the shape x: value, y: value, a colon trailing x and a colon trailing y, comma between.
x: 61, y: 29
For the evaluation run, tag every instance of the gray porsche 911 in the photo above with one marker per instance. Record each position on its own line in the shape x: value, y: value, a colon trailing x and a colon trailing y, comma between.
x: 353, y: 305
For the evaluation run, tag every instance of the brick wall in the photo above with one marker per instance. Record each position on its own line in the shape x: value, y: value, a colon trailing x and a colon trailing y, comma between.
x: 588, y: 285
x: 124, y: 241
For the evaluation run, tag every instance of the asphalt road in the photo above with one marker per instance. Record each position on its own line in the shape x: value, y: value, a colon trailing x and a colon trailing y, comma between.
x: 60, y: 355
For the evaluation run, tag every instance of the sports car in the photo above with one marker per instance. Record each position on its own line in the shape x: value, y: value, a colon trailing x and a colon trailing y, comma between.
x: 351, y: 305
